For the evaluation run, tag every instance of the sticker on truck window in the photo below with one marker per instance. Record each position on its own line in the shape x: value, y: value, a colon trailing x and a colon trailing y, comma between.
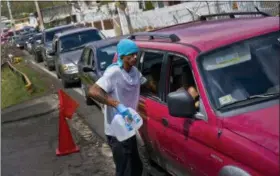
x: 228, y: 61
x: 228, y: 57
x: 226, y: 99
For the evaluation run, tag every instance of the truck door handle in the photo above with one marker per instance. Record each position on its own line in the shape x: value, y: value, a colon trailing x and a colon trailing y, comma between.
x: 164, y: 122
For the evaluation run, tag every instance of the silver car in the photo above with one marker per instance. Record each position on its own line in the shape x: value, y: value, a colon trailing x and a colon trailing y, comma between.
x: 67, y: 49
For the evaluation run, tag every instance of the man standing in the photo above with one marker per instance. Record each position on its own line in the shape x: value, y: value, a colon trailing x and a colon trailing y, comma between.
x: 117, y: 89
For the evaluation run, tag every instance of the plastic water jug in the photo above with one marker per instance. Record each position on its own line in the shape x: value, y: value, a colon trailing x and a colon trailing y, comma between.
x: 137, y: 120
x: 123, y: 128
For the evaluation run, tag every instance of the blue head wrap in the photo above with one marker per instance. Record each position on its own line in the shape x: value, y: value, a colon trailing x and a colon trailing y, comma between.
x: 125, y: 47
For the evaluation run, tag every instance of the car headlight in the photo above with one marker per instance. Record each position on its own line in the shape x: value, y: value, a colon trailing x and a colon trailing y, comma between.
x: 47, y: 51
x: 17, y: 45
x: 69, y: 68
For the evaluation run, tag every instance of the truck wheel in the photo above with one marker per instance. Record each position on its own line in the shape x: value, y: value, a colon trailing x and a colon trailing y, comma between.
x: 64, y: 83
x: 89, y: 101
x: 50, y: 68
x: 37, y: 58
x: 57, y: 75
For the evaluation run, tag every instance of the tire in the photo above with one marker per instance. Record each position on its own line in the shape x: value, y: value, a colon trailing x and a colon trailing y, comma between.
x: 37, y: 58
x: 79, y: 83
x: 50, y: 68
x: 57, y: 74
x: 64, y: 83
x: 89, y: 101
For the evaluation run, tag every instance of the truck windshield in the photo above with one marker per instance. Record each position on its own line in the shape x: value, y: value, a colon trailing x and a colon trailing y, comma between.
x: 78, y: 40
x: 242, y: 71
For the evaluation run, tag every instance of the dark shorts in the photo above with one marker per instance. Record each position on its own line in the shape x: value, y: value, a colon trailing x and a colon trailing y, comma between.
x: 126, y: 157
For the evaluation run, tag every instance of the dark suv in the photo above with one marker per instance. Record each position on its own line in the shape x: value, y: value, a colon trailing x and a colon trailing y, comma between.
x: 96, y: 57
x: 213, y: 104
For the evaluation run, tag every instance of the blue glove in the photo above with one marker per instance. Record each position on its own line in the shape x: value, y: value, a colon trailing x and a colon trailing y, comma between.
x: 124, y: 111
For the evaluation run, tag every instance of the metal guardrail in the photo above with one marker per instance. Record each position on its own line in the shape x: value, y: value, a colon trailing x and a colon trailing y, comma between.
x: 28, y: 84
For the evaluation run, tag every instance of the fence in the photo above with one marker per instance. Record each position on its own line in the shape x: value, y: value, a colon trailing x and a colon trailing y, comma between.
x: 271, y: 7
x: 170, y: 15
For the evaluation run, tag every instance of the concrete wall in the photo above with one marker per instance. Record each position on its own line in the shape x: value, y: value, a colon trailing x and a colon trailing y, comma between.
x: 170, y: 15
x: 56, y: 13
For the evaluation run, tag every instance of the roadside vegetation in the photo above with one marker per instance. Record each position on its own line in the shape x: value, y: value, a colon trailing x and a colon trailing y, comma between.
x: 13, y: 89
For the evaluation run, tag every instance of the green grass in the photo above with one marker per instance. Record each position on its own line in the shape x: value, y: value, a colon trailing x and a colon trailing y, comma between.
x: 13, y: 88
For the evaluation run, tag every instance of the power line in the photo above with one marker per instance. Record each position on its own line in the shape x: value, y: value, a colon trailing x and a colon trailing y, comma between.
x: 11, y: 17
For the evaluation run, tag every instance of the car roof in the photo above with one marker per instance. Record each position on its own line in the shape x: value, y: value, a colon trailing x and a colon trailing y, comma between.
x: 208, y: 35
x: 106, y: 42
x: 73, y: 31
x: 59, y: 27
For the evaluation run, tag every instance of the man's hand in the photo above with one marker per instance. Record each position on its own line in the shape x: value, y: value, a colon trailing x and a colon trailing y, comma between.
x: 124, y: 111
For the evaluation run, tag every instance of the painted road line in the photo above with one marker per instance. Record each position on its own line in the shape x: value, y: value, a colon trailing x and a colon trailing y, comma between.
x: 44, y: 69
x: 79, y: 90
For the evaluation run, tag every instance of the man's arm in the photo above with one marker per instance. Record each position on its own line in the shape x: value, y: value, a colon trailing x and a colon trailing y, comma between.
x: 101, y: 96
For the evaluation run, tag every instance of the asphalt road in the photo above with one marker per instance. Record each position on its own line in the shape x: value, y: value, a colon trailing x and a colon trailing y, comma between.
x: 28, y: 149
x: 92, y: 115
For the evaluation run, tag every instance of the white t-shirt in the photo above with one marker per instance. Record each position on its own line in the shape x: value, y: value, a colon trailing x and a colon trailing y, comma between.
x: 124, y: 87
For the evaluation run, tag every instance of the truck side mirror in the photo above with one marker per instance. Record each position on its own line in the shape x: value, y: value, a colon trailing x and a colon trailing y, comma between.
x: 181, y: 104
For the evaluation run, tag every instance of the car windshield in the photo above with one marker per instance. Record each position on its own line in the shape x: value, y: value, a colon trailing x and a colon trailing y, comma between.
x: 37, y: 37
x: 105, y: 56
x: 50, y: 34
x: 242, y: 71
x: 78, y: 40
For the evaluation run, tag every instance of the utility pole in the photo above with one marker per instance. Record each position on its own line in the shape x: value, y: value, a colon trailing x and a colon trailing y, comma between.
x: 11, y: 17
x: 39, y: 15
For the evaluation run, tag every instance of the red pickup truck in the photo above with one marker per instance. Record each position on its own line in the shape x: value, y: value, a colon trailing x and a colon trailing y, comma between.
x: 233, y: 64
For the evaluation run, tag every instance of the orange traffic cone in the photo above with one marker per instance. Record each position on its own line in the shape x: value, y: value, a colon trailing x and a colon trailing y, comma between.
x: 66, y: 143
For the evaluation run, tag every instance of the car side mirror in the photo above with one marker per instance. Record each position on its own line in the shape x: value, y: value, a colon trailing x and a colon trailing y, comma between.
x: 181, y: 104
x: 88, y: 69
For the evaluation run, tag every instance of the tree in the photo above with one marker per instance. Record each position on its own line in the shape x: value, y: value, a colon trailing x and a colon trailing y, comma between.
x: 21, y: 9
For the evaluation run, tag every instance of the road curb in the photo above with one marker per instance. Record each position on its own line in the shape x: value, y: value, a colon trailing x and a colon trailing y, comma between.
x: 30, y: 116
x: 30, y: 109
